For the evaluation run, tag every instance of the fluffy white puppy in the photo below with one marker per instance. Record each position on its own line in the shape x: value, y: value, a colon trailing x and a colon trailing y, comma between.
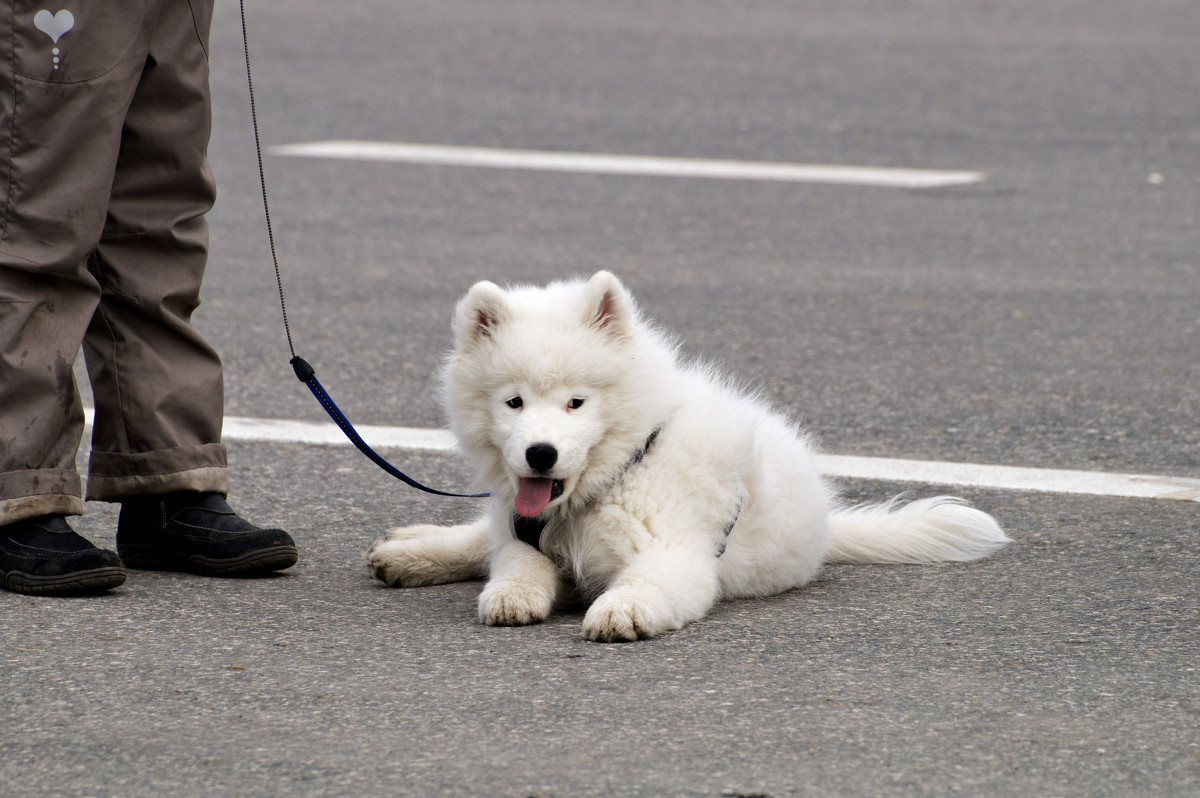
x: 652, y: 487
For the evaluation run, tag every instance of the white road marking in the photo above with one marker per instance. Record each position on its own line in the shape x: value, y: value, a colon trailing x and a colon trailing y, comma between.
x: 597, y: 163
x: 326, y: 433
x: 1044, y: 480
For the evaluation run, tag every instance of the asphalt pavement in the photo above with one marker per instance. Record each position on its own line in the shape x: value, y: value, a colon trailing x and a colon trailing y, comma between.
x: 1047, y: 316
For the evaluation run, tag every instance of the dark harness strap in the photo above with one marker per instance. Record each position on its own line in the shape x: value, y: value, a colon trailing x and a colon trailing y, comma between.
x: 529, y: 530
x: 737, y: 512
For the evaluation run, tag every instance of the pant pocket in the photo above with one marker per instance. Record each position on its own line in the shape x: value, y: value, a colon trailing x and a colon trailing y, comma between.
x: 70, y: 40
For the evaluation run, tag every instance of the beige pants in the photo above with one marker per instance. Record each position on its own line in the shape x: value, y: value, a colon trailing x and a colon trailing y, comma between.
x: 104, y: 186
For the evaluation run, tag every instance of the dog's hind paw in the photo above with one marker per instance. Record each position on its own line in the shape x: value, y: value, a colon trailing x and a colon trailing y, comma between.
x: 429, y: 555
x: 386, y: 563
x: 397, y: 563
x: 514, y: 603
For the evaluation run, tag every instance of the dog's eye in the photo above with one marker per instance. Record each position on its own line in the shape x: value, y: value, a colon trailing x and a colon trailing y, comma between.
x: 515, y: 402
x: 575, y: 403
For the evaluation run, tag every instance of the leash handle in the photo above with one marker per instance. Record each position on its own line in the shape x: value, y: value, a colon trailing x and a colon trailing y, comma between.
x: 307, y: 375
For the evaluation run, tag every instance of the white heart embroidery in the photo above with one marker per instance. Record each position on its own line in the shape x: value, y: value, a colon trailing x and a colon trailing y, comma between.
x: 54, y: 25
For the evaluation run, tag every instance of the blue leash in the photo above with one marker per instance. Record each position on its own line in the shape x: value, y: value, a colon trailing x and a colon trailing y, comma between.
x: 305, y: 372
x: 306, y: 375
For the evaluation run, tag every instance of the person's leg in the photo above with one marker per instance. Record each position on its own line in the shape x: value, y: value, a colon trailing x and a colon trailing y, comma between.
x: 64, y: 86
x: 157, y: 383
x: 60, y: 134
x: 156, y: 445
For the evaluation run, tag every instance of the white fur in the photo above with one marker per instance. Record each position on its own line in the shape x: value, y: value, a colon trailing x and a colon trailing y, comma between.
x: 642, y: 541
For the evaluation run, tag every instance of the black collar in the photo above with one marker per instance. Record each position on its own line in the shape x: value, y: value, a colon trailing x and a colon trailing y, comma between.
x: 529, y: 530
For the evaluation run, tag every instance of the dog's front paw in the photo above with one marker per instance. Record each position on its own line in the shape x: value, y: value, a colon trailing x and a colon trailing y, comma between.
x: 620, y: 616
x: 515, y: 603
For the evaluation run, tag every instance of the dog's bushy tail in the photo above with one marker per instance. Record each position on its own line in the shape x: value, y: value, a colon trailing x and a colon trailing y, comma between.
x: 941, y: 529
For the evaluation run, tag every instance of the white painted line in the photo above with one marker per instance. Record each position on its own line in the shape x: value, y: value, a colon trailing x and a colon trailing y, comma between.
x: 596, y: 163
x: 326, y: 433
x: 1044, y: 480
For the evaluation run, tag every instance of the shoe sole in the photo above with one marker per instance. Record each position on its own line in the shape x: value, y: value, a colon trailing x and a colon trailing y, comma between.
x: 95, y: 580
x: 259, y: 561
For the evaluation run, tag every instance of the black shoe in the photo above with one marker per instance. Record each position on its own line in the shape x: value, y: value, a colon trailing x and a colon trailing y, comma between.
x: 199, y: 533
x: 44, y: 556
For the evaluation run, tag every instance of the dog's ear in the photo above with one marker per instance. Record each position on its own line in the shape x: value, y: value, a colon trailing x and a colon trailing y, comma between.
x: 609, y: 305
x: 479, y: 313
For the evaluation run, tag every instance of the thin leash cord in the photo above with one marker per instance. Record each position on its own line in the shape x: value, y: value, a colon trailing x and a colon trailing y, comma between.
x: 305, y: 372
x: 262, y: 181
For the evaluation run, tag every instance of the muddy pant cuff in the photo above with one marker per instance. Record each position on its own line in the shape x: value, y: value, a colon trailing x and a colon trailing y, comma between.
x: 29, y: 494
x: 114, y: 476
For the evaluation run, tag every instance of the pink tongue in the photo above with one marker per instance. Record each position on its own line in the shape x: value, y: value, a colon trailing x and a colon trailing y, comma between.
x: 533, y: 495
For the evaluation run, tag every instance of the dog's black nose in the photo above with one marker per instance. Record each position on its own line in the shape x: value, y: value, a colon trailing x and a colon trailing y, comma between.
x: 541, y: 456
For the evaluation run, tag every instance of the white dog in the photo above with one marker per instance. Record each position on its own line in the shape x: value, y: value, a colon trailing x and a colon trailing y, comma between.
x: 653, y: 487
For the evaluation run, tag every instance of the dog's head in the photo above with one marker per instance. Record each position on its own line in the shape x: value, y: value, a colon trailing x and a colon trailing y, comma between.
x: 546, y: 387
